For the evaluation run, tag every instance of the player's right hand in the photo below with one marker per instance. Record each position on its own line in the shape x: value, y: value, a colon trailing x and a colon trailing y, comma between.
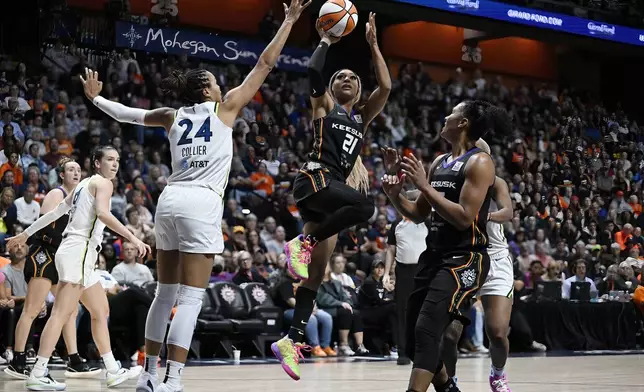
x: 91, y: 84
x: 392, y: 184
x: 325, y: 34
x: 141, y: 247
x: 391, y: 160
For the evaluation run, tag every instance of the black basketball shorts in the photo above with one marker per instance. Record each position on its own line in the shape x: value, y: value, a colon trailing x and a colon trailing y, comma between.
x: 41, y: 263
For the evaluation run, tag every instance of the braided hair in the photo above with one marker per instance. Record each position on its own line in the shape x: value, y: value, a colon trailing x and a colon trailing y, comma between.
x: 97, y: 154
x: 188, y: 87
x: 483, y: 117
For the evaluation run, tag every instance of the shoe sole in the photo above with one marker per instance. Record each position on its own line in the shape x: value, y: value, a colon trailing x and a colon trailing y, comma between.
x: 278, y: 355
x: 46, y: 388
x: 16, y: 375
x: 119, y: 381
x: 80, y: 375
x: 287, y: 253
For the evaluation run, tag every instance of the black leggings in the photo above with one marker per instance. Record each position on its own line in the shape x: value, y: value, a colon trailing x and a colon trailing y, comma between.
x: 345, y: 319
x: 129, y: 309
x: 383, y: 315
x: 335, y: 208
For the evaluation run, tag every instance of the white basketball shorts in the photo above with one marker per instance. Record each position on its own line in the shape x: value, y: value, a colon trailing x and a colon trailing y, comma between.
x: 76, y: 259
x: 188, y: 219
x: 500, y: 279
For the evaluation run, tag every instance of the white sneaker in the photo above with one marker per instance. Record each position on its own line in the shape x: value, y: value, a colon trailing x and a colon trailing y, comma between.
x: 481, y: 349
x: 539, y: 346
x: 146, y: 382
x: 3, y: 361
x: 165, y: 388
x: 121, y: 376
x: 8, y: 355
x: 44, y: 383
x: 346, y: 351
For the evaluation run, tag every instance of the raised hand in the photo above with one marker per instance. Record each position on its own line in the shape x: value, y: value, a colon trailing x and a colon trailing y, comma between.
x: 325, y: 34
x: 413, y: 168
x: 392, y: 184
x: 371, y: 35
x: 294, y: 11
x: 91, y: 84
x: 391, y: 160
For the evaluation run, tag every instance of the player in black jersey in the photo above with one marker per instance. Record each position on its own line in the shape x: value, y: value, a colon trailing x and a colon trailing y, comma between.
x: 457, y: 195
x: 42, y: 277
x: 325, y: 189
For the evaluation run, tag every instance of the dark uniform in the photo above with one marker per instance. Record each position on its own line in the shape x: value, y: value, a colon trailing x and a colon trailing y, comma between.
x: 42, y: 250
x: 338, y: 139
x: 455, y: 263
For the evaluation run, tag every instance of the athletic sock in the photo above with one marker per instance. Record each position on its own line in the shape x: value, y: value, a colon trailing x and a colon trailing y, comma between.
x: 173, y: 374
x: 19, y: 358
x: 304, y: 303
x: 110, y: 363
x: 150, y: 365
x: 74, y: 359
x: 40, y: 368
x: 449, y: 386
x: 496, y: 372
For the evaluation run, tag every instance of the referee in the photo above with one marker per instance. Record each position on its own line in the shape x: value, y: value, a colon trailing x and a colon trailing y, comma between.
x: 405, y: 243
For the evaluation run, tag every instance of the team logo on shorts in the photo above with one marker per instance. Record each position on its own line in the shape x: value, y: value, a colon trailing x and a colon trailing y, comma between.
x: 41, y: 257
x: 468, y: 277
x: 228, y: 294
x: 258, y: 294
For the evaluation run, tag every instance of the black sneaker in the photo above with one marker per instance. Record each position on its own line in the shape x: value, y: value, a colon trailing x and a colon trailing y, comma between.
x: 31, y: 356
x: 403, y: 361
x: 82, y: 370
x: 18, y: 371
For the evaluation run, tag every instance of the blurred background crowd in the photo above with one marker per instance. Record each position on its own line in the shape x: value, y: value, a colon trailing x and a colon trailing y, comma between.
x: 575, y: 168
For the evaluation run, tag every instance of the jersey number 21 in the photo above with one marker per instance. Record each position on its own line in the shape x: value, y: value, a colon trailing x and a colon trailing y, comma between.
x: 350, y: 143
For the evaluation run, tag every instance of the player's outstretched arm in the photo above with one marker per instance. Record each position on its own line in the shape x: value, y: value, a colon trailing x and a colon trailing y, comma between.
x: 379, y: 96
x: 321, y: 101
x: 42, y: 222
x: 161, y: 117
x: 104, y: 190
x: 238, y: 97
x: 503, y: 201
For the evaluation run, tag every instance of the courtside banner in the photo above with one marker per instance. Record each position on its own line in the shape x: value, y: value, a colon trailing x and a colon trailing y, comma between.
x: 537, y: 18
x: 207, y: 46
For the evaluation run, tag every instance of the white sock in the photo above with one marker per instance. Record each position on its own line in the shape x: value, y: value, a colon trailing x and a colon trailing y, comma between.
x: 496, y: 372
x: 151, y: 364
x: 40, y: 368
x: 173, y: 373
x: 110, y: 363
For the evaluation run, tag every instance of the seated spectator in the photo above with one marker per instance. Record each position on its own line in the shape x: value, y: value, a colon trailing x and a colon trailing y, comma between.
x: 15, y: 291
x: 320, y: 326
x: 534, y: 274
x: 135, y: 225
x: 553, y: 272
x: 12, y: 165
x: 27, y: 209
x: 611, y: 282
x: 8, y: 214
x: 263, y: 182
x: 335, y: 300
x: 275, y: 246
x: 377, y: 301
x: 338, y: 263
x: 129, y: 272
x: 579, y: 268
x: 34, y: 179
x: 628, y: 275
x: 245, y: 273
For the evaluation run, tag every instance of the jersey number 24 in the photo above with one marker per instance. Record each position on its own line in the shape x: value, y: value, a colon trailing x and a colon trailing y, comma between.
x: 203, y: 132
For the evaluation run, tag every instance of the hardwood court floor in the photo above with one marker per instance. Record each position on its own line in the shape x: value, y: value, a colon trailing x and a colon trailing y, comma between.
x: 528, y: 374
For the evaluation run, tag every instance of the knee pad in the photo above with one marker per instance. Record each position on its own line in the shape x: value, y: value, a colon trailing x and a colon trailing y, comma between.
x: 160, y: 310
x: 184, y: 321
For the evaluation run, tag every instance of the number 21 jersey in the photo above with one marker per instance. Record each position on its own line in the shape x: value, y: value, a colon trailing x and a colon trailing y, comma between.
x: 201, y: 146
x: 337, y: 141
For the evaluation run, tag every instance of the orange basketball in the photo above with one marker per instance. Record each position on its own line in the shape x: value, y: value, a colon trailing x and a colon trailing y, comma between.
x: 338, y: 17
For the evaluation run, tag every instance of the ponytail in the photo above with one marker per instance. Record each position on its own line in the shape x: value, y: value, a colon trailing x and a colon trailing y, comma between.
x: 359, y: 177
x: 483, y: 117
x: 187, y: 87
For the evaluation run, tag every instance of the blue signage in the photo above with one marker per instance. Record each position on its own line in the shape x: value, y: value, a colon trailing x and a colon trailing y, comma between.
x: 537, y: 18
x: 202, y: 45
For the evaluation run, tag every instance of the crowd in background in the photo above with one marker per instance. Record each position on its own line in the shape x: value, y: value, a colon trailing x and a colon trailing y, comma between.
x: 575, y: 170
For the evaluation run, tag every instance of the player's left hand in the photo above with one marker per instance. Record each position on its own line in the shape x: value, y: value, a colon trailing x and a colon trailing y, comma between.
x: 295, y: 9
x: 413, y: 169
x: 372, y: 37
x: 91, y: 84
x: 14, y: 242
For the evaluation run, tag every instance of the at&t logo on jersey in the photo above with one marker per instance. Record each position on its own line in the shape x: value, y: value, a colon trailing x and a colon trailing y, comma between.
x: 190, y: 152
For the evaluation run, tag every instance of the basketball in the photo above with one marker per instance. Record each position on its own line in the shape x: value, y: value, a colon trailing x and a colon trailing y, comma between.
x: 338, y: 17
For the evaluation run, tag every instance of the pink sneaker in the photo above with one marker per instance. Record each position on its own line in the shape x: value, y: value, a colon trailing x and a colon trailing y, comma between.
x: 499, y: 384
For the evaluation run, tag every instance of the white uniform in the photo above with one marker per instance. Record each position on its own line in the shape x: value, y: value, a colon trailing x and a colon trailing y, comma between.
x: 500, y: 279
x: 78, y: 252
x: 190, y: 208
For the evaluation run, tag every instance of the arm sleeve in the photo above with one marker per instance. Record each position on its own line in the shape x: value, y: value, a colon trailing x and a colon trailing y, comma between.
x: 48, y: 218
x: 120, y: 112
x: 316, y: 65
x: 391, y: 237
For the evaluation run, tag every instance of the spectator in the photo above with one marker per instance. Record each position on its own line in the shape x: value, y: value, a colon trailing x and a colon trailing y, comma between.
x: 335, y: 300
x: 338, y: 262
x: 27, y: 209
x: 268, y: 232
x: 129, y: 272
x: 377, y: 302
x: 262, y: 181
x: 579, y: 269
x: 135, y: 225
x: 245, y: 273
x: 276, y: 245
x: 13, y: 166
x: 15, y: 288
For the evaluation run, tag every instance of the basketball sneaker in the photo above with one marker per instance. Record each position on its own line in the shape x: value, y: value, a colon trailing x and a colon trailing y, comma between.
x: 44, y: 383
x: 18, y: 368
x: 499, y: 383
x: 289, y: 354
x: 146, y: 383
x: 82, y: 370
x: 167, y: 388
x: 122, y: 375
x: 298, y: 256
